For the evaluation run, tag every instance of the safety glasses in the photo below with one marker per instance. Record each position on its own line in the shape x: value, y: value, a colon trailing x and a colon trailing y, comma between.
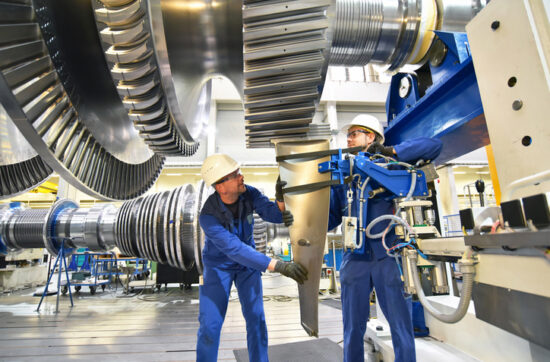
x: 355, y: 133
x: 231, y: 176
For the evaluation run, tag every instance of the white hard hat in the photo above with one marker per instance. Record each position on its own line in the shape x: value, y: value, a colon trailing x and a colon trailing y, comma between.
x: 216, y: 167
x: 369, y: 122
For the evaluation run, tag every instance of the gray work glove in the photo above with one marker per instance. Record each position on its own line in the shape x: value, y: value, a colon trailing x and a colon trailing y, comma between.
x: 377, y: 147
x: 292, y: 270
x: 288, y: 219
x: 279, y: 189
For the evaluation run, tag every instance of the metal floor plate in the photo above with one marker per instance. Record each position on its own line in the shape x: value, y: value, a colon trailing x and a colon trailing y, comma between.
x: 318, y: 350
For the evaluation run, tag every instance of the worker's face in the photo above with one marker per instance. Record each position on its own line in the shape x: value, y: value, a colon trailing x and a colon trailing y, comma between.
x: 232, y: 184
x: 358, y: 136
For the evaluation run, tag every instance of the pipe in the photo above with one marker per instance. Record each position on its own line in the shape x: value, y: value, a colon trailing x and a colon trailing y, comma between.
x: 468, y: 272
x: 525, y: 182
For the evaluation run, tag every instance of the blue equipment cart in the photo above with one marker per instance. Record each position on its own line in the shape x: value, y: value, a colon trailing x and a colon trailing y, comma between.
x: 92, y: 270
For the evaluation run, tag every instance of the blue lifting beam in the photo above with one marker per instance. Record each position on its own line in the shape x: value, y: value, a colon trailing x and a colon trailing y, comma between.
x: 450, y: 110
x: 397, y: 181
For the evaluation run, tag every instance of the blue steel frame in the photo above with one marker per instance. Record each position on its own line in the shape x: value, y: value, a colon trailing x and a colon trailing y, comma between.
x: 451, y: 110
x: 398, y: 182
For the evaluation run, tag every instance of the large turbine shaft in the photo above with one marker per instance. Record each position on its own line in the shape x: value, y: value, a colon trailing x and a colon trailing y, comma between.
x: 159, y: 227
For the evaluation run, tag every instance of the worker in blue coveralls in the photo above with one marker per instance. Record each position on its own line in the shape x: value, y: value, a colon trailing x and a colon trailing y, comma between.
x: 360, y: 273
x: 229, y: 256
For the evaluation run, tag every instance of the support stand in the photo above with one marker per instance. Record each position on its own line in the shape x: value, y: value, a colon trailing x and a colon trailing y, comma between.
x: 59, y: 261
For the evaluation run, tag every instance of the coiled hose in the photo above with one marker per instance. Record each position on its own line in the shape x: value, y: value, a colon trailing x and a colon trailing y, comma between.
x: 398, y: 219
x: 468, y: 272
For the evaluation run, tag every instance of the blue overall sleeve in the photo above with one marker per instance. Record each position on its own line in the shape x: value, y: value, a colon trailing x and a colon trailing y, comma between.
x: 418, y: 148
x: 268, y: 210
x: 338, y: 206
x: 231, y: 245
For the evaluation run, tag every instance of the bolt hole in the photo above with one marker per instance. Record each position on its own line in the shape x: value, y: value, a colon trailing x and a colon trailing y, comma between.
x: 516, y: 106
x: 512, y: 81
x: 495, y: 25
x: 526, y: 141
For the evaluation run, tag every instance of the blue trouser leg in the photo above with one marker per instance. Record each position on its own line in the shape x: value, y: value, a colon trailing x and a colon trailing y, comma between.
x: 249, y: 286
x: 356, y: 287
x: 213, y: 298
x: 389, y: 293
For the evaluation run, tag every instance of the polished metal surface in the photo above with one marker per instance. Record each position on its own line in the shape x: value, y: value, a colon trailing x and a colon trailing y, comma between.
x: 161, y: 227
x: 34, y: 97
x: 21, y: 177
x: 50, y: 227
x: 263, y: 139
x: 21, y: 169
x: 81, y: 67
x: 102, y: 89
x: 131, y: 52
x: 286, y: 51
x: 195, y: 41
x: 203, y: 191
x: 88, y: 227
x: 394, y: 33
x: 455, y: 14
x: 21, y: 229
x: 260, y: 233
x: 375, y: 31
x: 310, y: 209
x: 14, y: 148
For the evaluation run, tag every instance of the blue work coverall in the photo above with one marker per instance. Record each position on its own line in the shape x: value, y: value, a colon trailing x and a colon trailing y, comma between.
x: 360, y: 273
x: 229, y: 255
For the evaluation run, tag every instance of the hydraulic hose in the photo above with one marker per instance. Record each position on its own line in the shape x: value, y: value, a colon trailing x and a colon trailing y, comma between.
x: 413, y: 185
x: 468, y: 272
x: 361, y: 202
x: 394, y: 218
x: 386, y: 217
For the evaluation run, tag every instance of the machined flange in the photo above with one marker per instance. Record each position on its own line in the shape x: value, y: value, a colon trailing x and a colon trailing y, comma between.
x: 51, y: 241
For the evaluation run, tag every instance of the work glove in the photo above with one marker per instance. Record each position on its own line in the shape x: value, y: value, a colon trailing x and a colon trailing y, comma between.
x: 377, y: 147
x: 279, y: 189
x: 288, y: 219
x: 292, y: 270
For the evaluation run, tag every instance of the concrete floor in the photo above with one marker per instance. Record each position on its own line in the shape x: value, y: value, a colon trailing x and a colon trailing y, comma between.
x: 152, y: 327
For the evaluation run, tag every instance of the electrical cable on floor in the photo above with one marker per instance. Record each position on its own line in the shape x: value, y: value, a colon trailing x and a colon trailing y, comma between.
x: 158, y: 298
x: 278, y: 298
x: 135, y: 294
